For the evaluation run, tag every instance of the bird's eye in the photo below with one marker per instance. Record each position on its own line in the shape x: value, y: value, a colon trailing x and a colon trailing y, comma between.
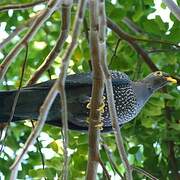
x: 158, y: 73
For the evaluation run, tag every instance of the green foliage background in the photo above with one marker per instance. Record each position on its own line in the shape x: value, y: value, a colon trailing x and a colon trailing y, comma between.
x: 147, y: 138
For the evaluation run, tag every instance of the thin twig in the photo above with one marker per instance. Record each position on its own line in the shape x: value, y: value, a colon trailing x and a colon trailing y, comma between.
x: 110, y: 158
x: 62, y: 76
x: 97, y: 93
x: 135, y: 45
x: 17, y: 31
x: 66, y: 17
x: 173, y: 7
x: 15, y: 98
x: 46, y: 105
x: 36, y: 131
x: 128, y: 37
x: 110, y: 97
x: 145, y: 173
x: 58, y: 86
x: 170, y: 143
x: 104, y: 169
x: 115, y: 52
x: 44, y: 15
x: 131, y: 41
x: 163, y: 50
x: 20, y: 6
x: 39, y: 147
x: 131, y: 25
x: 86, y: 30
x: 155, y: 41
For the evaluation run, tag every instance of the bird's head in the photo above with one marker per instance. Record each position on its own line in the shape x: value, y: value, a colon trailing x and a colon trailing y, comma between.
x: 157, y: 80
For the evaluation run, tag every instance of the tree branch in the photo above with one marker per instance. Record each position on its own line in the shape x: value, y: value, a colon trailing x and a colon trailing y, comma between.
x: 57, y: 87
x: 36, y: 131
x: 173, y: 8
x: 20, y: 6
x: 17, y: 31
x: 62, y: 76
x: 110, y: 96
x: 131, y: 41
x: 110, y: 158
x: 13, y: 108
x: 135, y: 45
x: 44, y: 15
x: 146, y: 174
x: 170, y: 143
x: 66, y: 14
x: 104, y: 169
x: 97, y: 93
x: 131, y: 25
x: 163, y: 50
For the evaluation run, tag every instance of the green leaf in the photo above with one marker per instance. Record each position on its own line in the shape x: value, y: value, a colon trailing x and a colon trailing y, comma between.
x: 175, y: 126
x: 163, y: 5
x: 147, y: 122
x: 133, y: 150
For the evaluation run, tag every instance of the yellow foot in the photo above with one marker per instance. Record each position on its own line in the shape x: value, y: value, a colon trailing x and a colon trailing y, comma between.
x: 87, y: 120
x: 101, y: 107
x: 89, y: 103
x: 99, y: 126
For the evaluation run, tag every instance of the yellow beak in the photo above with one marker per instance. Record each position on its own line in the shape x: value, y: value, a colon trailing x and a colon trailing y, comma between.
x: 170, y: 79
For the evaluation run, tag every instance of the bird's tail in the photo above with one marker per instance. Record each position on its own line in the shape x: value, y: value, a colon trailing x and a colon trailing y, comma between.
x: 6, y: 102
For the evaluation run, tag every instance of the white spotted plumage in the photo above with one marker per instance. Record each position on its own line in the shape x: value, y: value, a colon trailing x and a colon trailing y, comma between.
x: 125, y: 100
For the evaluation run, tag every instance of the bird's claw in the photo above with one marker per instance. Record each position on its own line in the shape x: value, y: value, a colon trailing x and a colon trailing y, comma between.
x: 87, y: 120
x: 99, y: 125
x: 89, y: 104
x: 101, y: 107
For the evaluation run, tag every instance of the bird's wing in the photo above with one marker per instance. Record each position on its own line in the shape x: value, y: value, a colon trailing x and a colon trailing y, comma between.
x: 71, y: 80
x: 83, y: 79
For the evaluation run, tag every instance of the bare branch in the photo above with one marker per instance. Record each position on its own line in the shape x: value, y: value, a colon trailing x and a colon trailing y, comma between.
x: 110, y: 158
x: 13, y: 108
x: 17, y: 31
x: 20, y: 6
x: 115, y: 52
x: 170, y: 143
x: 66, y: 14
x: 134, y: 44
x: 36, y: 131
x: 110, y: 97
x: 97, y: 93
x: 154, y: 41
x: 131, y: 25
x: 44, y: 15
x: 164, y: 50
x: 173, y: 7
x: 58, y: 86
x: 62, y: 76
x: 104, y: 169
x: 146, y: 174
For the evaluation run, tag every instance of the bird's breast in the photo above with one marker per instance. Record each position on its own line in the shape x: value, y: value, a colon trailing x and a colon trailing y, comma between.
x: 125, y: 103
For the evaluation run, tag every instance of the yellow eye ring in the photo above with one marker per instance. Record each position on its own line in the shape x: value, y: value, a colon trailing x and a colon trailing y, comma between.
x: 158, y: 73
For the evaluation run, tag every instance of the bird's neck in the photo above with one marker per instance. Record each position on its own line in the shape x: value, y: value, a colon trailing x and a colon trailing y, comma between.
x: 143, y: 93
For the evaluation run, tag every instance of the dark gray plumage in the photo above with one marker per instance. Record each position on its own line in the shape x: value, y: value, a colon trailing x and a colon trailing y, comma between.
x: 129, y: 96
